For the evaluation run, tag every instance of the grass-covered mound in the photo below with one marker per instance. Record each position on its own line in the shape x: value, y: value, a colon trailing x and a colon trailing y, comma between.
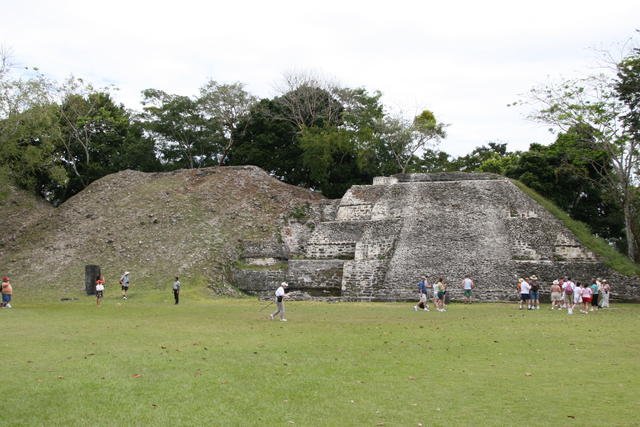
x: 610, y: 256
x: 146, y: 361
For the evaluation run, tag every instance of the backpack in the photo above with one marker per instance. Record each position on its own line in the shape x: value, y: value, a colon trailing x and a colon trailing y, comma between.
x: 568, y: 289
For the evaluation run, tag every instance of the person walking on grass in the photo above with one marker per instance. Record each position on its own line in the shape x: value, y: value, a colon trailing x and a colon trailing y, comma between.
x: 587, y: 295
x: 424, y: 295
x: 176, y: 290
x: 467, y: 287
x: 124, y: 283
x: 523, y: 288
x: 569, y: 288
x: 7, y: 292
x: 99, y: 290
x: 280, y: 296
x: 556, y: 294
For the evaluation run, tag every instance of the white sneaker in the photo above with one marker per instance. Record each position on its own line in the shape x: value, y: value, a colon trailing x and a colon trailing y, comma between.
x: 426, y: 309
x: 569, y: 311
x: 271, y: 316
x: 8, y: 305
x: 538, y: 307
x: 415, y: 308
x: 283, y: 320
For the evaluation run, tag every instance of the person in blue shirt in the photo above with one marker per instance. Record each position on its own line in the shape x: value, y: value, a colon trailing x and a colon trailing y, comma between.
x: 423, y: 289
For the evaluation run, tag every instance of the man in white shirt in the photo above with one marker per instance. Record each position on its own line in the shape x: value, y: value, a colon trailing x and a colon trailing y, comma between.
x: 524, y: 287
x: 467, y: 287
x: 280, y: 296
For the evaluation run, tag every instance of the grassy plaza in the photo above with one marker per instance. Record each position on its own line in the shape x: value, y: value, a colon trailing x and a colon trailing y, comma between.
x: 221, y: 361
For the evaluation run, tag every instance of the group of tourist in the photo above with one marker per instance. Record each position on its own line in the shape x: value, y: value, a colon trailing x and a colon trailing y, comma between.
x: 7, y: 291
x: 124, y: 287
x: 124, y: 283
x: 437, y: 292
x: 566, y: 294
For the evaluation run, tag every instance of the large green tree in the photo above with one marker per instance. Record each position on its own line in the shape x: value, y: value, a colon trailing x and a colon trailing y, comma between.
x: 600, y: 107
x: 99, y: 138
x: 185, y: 138
x: 226, y: 105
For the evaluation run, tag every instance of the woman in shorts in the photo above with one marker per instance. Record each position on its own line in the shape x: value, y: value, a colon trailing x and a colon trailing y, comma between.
x: 99, y: 289
x: 586, y: 293
x: 556, y: 295
x: 440, y: 290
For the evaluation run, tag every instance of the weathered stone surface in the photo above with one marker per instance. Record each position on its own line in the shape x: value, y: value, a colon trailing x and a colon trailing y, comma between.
x: 379, y: 239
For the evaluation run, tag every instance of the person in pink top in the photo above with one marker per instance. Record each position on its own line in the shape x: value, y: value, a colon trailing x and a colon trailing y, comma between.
x: 587, y: 294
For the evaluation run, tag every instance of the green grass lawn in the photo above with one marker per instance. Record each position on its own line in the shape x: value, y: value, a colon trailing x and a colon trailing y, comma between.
x: 207, y: 361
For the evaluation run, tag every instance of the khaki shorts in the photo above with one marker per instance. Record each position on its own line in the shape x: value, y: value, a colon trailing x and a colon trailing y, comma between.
x: 556, y: 296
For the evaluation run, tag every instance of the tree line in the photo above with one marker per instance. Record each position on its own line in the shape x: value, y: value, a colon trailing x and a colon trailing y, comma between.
x: 56, y: 137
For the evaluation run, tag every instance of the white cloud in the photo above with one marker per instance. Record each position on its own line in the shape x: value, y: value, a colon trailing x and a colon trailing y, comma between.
x: 463, y: 60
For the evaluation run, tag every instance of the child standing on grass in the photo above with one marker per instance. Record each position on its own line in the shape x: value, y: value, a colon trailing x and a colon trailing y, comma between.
x: 99, y: 290
x: 7, y: 291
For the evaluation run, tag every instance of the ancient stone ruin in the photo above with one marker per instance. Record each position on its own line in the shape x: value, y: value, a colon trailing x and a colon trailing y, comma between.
x: 376, y: 242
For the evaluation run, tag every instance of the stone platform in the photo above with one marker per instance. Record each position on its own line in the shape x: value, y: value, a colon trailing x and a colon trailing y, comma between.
x: 376, y: 242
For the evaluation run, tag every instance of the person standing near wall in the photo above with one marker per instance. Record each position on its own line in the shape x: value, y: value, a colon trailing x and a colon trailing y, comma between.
x: 467, y: 287
x: 124, y: 283
x: 604, y: 299
x: 556, y: 295
x: 99, y: 290
x: 524, y: 287
x: 423, y: 295
x: 534, y: 293
x: 280, y: 296
x: 176, y: 290
x: 595, y: 293
x: 568, y: 287
x: 7, y: 292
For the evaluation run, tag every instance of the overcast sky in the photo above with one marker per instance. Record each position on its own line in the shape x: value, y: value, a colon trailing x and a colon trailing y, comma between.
x: 465, y: 61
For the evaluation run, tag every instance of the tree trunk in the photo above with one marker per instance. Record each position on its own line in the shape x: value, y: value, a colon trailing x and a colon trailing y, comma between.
x: 628, y: 226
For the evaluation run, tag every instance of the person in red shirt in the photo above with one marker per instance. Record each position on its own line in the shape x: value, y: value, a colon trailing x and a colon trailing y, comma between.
x: 7, y: 291
x: 99, y: 289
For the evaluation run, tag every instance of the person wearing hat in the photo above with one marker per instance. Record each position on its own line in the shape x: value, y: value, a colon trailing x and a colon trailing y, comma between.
x: 280, y: 296
x: 7, y: 291
x: 556, y: 295
x: 124, y: 283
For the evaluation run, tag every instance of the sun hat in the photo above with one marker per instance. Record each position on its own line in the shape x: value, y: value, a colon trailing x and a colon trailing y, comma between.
x: 126, y: 272
x: 5, y: 278
x: 284, y: 284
